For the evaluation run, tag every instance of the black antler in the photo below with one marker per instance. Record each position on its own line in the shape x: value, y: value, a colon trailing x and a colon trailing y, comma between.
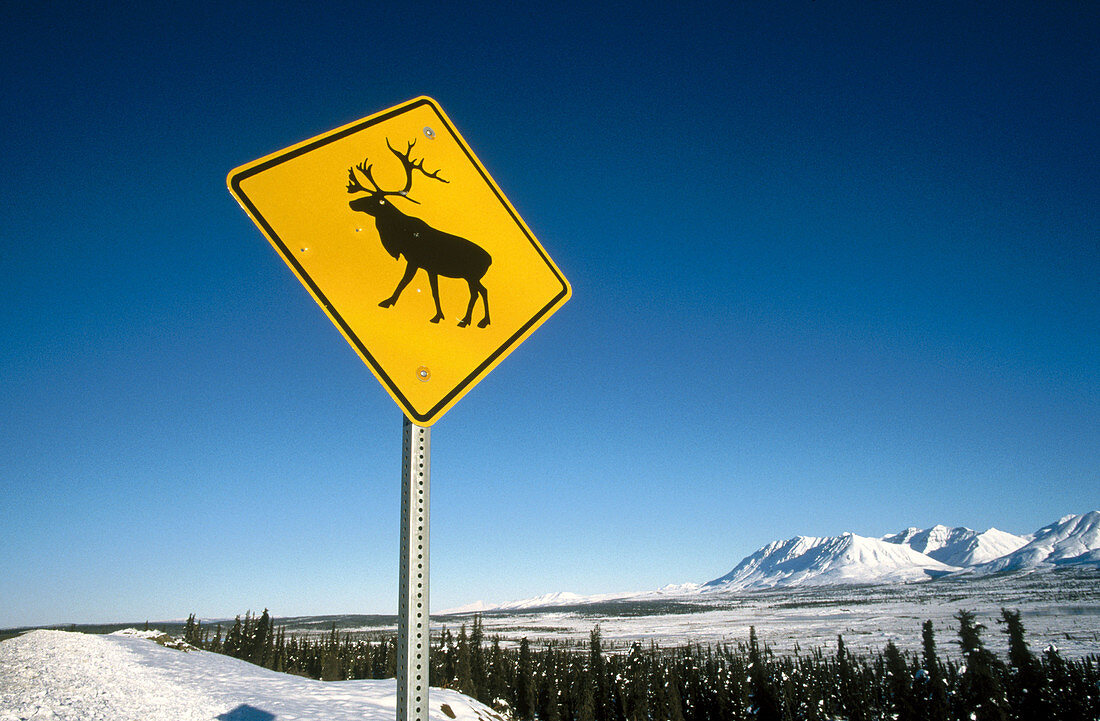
x: 411, y: 165
x: 354, y: 186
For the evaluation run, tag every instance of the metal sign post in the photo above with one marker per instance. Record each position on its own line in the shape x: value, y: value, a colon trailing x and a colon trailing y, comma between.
x: 413, y: 637
x: 333, y: 207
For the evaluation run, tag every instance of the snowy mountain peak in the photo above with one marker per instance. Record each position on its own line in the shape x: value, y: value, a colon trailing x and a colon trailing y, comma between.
x: 912, y: 555
x: 847, y: 558
x: 959, y: 546
x: 904, y: 537
x: 1073, y: 539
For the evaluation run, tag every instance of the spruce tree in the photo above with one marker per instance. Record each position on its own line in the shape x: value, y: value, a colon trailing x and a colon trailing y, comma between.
x: 721, y: 703
x: 247, y: 630
x: 549, y: 692
x: 930, y: 688
x: 899, y: 686
x: 477, y: 662
x: 280, y: 651
x: 765, y: 698
x: 497, y: 683
x: 330, y: 659
x: 1027, y: 697
x: 586, y: 704
x: 982, y: 696
x: 391, y: 659
x: 463, y: 679
x: 670, y: 682
x: 189, y: 629
x: 524, y: 701
x: 851, y: 700
x: 258, y: 644
x: 1067, y: 701
x: 232, y: 645
x: 636, y: 696
x: 598, y: 669
x: 812, y: 706
x: 446, y: 658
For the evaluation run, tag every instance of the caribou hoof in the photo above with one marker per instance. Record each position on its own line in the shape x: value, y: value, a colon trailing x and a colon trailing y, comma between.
x: 484, y: 323
x: 386, y: 303
x: 437, y: 319
x: 463, y: 323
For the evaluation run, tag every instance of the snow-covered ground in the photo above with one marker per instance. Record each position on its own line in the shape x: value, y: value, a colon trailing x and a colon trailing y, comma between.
x: 127, y: 677
x: 1058, y: 607
x: 63, y: 675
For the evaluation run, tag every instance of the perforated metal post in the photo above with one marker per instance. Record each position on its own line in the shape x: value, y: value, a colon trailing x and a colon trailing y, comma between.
x: 412, y: 617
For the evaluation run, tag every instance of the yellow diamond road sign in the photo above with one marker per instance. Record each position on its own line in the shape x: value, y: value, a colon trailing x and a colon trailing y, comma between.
x: 415, y: 254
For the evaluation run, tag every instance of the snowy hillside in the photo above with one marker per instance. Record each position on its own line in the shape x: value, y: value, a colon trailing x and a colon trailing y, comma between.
x: 565, y: 599
x: 959, y: 546
x: 848, y: 558
x: 546, y: 600
x: 125, y: 677
x: 1072, y: 540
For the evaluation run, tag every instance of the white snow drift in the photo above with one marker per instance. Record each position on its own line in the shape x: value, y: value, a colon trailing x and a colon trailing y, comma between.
x: 125, y: 677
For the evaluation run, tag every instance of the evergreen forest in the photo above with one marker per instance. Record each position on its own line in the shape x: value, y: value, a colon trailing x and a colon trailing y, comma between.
x: 589, y: 682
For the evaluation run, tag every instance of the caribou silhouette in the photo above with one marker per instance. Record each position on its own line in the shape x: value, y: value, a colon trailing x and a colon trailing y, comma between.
x: 437, y: 252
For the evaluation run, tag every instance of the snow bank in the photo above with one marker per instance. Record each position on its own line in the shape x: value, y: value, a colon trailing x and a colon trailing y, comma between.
x: 123, y: 677
x: 151, y: 634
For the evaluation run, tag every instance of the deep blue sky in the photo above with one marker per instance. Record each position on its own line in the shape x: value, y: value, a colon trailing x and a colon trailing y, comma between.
x: 835, y: 268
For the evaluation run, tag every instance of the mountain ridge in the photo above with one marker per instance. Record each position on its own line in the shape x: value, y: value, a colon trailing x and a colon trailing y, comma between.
x: 909, y: 556
x: 811, y: 561
x: 959, y: 546
x: 1071, y: 540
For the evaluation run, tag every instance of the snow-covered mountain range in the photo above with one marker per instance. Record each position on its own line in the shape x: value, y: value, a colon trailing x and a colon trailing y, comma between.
x: 1072, y: 540
x: 848, y: 558
x: 912, y: 555
x: 959, y: 546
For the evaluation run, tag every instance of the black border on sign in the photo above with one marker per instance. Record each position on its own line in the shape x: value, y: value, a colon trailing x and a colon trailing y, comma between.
x: 429, y: 416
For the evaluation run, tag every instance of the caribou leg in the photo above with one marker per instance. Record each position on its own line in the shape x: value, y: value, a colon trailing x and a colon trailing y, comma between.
x: 485, y: 297
x: 433, y: 279
x: 469, y: 307
x: 410, y: 271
